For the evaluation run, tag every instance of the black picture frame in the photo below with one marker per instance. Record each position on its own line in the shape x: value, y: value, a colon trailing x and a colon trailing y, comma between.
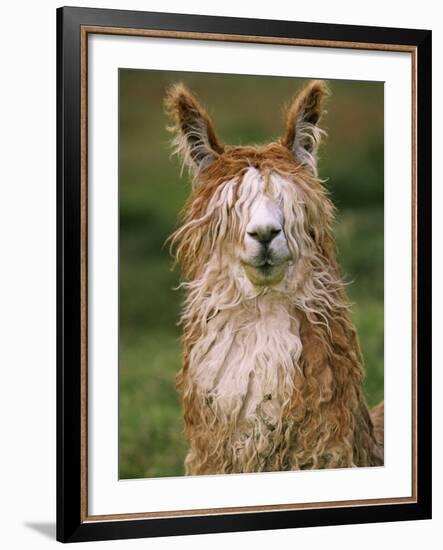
x: 72, y: 526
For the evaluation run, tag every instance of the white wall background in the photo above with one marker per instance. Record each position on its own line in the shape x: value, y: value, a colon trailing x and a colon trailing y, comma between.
x: 27, y: 275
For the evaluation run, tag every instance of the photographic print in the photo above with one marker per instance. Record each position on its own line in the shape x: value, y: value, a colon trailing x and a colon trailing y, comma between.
x: 244, y: 253
x: 251, y: 296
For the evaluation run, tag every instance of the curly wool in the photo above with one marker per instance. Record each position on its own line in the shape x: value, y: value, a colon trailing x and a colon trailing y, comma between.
x: 271, y: 378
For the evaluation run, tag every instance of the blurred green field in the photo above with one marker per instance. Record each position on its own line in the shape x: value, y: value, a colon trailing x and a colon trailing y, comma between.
x: 246, y: 110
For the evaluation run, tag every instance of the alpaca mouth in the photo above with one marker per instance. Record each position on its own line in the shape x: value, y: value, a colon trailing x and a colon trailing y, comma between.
x: 265, y: 267
x: 266, y: 273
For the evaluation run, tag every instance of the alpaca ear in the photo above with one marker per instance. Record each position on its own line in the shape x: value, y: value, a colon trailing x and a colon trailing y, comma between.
x: 302, y: 135
x: 194, y: 140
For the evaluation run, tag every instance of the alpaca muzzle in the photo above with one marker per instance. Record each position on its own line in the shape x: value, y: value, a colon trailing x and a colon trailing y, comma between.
x: 265, y: 274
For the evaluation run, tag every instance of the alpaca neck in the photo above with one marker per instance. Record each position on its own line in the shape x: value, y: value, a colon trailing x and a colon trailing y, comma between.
x: 245, y: 360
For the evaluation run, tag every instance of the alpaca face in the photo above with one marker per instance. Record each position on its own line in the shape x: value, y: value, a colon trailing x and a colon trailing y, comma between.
x: 264, y: 253
x: 248, y: 203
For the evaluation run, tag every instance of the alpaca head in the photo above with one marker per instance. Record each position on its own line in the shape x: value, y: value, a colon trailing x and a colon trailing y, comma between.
x: 258, y: 213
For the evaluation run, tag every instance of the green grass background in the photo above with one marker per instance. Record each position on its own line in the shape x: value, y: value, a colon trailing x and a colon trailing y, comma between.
x: 246, y: 110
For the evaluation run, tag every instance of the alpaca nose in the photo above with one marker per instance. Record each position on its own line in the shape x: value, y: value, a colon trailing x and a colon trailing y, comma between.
x: 264, y: 234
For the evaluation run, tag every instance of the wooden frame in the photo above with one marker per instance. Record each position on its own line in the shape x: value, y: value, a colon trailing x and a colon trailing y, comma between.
x: 73, y: 521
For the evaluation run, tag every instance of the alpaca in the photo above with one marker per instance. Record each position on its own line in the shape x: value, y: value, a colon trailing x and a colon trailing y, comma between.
x: 272, y: 369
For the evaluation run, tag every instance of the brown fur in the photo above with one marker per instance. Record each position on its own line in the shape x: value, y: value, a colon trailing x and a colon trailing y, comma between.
x: 311, y: 100
x: 326, y: 424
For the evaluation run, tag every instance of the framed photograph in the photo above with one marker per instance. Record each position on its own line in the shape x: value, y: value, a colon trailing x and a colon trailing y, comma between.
x: 244, y: 274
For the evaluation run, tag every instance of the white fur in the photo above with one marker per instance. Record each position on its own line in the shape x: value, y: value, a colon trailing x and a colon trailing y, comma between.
x: 243, y: 366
